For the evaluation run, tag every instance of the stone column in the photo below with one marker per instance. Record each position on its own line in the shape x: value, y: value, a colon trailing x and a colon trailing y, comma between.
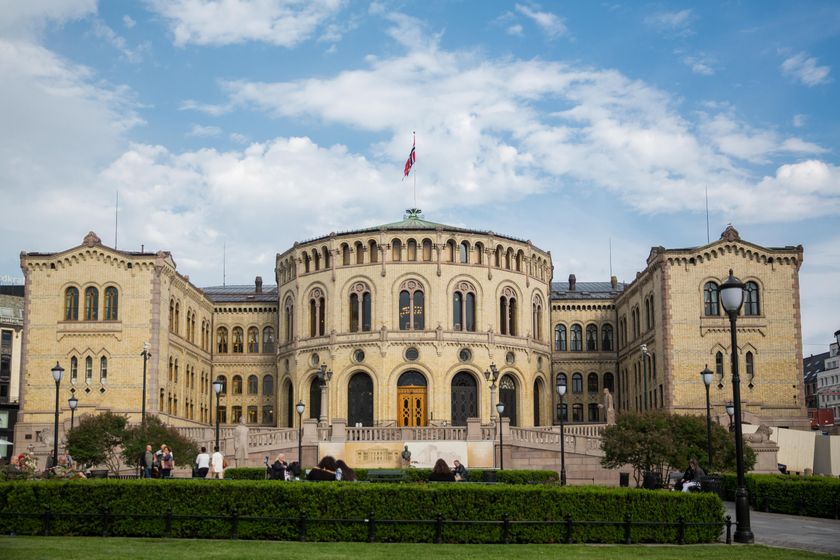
x: 322, y: 420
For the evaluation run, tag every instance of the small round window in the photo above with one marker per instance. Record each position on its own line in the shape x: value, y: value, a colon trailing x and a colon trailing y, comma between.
x: 412, y: 354
x: 359, y: 356
x: 465, y: 355
x: 510, y: 358
x: 315, y: 360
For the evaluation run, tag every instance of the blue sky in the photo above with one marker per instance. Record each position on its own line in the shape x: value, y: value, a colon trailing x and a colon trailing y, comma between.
x: 250, y: 125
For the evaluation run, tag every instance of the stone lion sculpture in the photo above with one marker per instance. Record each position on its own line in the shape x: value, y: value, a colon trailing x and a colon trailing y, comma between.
x: 761, y: 435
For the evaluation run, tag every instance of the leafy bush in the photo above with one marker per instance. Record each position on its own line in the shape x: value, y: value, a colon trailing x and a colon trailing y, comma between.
x: 815, y: 496
x: 201, y: 501
x: 420, y: 475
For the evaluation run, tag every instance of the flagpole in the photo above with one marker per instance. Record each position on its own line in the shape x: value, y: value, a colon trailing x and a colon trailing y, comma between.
x: 414, y: 145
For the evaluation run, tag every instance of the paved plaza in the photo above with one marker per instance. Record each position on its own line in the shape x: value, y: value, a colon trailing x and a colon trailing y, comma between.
x: 792, y: 531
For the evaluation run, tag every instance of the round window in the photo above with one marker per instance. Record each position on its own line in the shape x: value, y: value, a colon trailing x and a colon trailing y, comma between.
x: 412, y: 354
x: 359, y: 356
x: 510, y: 358
x: 315, y: 360
x: 465, y: 355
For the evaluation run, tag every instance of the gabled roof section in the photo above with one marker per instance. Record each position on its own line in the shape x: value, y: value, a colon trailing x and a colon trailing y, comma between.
x: 240, y: 293
x: 585, y: 290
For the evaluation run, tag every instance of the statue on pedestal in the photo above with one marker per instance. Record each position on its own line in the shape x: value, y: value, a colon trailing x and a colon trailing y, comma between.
x: 608, y: 407
x: 240, y: 443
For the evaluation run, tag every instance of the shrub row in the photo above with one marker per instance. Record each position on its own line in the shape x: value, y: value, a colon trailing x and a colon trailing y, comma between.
x: 421, y: 475
x: 149, y: 500
x: 814, y: 496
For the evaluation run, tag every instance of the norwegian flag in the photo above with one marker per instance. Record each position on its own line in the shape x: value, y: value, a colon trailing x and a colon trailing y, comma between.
x: 412, y: 157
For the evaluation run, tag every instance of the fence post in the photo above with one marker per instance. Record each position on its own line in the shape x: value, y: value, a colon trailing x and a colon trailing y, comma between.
x: 568, y: 528
x: 371, y: 528
x: 167, y: 531
x: 681, y: 530
x: 627, y: 526
x: 106, y: 520
x: 728, y: 521
x: 234, y: 524
x: 439, y: 529
x: 47, y: 515
x: 302, y: 526
x: 505, y: 529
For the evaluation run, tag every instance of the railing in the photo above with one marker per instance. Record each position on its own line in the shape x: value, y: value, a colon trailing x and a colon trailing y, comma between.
x: 78, y: 524
x: 437, y: 433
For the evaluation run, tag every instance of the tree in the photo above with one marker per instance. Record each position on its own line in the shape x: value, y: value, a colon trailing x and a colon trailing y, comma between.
x: 96, y: 439
x: 660, y: 442
x: 156, y: 433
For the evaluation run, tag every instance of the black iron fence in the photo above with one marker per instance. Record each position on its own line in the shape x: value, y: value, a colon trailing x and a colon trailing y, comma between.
x: 302, y: 522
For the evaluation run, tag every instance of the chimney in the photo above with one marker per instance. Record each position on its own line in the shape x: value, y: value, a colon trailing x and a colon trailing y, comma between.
x: 572, y: 282
x: 614, y: 282
x: 258, y: 284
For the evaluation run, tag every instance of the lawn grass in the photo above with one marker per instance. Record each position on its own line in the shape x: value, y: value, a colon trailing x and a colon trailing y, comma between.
x: 94, y: 548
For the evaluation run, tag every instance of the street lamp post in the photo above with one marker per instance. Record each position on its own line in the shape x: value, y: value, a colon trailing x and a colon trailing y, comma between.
x: 730, y: 410
x: 707, y: 374
x: 492, y: 375
x: 57, y: 373
x: 561, y: 390
x: 218, y: 384
x: 645, y: 355
x: 73, y: 402
x: 732, y: 298
x: 146, y: 355
x: 324, y: 376
x: 300, y: 407
x: 500, y: 407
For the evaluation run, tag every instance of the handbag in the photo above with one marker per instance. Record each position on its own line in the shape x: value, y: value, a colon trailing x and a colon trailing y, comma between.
x: 224, y: 463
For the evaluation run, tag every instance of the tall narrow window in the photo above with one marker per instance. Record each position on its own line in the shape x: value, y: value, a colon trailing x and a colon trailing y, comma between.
x: 268, y: 385
x: 751, y: 303
x: 289, y: 312
x: 577, y: 383
x: 91, y: 304
x: 177, y: 324
x: 396, y: 250
x: 412, y: 306
x: 317, y: 313
x: 253, y: 385
x: 236, y: 388
x: 325, y: 254
x: 103, y: 370
x: 591, y: 338
x: 577, y: 338
x: 268, y: 340
x: 458, y: 311
x: 607, y: 338
x: 537, y: 318
x: 360, y: 252
x: 560, y: 338
x: 71, y: 304
x: 710, y: 299
x: 592, y: 382
x: 237, y: 343
x: 222, y: 340
x: 608, y: 382
x: 463, y: 307
x: 479, y: 253
x: 412, y: 250
x: 374, y: 251
x: 88, y: 369
x: 508, y: 313
x: 450, y: 251
x: 498, y: 256
x: 253, y: 340
x: 464, y: 252
x: 345, y: 254
x: 360, y: 307
x: 111, y: 303
x: 427, y: 250
x: 74, y: 370
x: 750, y: 367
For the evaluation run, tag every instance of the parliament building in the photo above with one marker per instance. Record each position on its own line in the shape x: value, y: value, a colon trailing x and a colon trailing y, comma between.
x: 412, y: 323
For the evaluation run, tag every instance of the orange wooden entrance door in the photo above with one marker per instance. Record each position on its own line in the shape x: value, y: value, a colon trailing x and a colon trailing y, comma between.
x: 411, y: 406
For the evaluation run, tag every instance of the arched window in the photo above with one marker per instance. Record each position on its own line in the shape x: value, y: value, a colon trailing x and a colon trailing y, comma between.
x: 236, y: 388
x: 412, y: 250
x: 508, y: 258
x: 177, y: 324
x: 360, y: 252
x: 360, y: 400
x: 222, y: 340
x: 396, y: 250
x: 74, y: 370
x: 71, y: 304
x: 345, y: 254
x: 306, y: 260
x: 253, y: 340
x: 577, y: 412
x: 317, y: 313
x: 750, y: 363
x: 253, y: 385
x: 507, y: 395
x: 519, y: 256
x: 412, y: 306
x: 325, y: 254
x: 562, y: 411
x: 374, y: 251
x: 591, y: 338
x: 103, y: 370
x: 609, y: 382
x: 268, y: 385
x: 360, y: 307
x: 464, y: 252
x: 289, y: 314
x: 577, y: 338
x: 315, y: 398
x: 538, y: 390
x: 479, y: 253
x: 508, y: 312
x: 450, y: 251
x: 316, y: 258
x: 463, y: 307
x: 237, y: 344
x: 710, y: 300
x: 464, y: 398
x: 268, y: 340
x: 171, y: 315
x: 751, y: 303
x: 91, y: 304
x: 537, y: 318
x: 594, y: 412
x: 577, y: 383
x: 592, y: 383
x: 88, y: 369
x: 223, y: 379
x: 560, y: 338
x: 607, y: 338
x: 427, y: 250
x: 498, y: 256
x: 111, y: 303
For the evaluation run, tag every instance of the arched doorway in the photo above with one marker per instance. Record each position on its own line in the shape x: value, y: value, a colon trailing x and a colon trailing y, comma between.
x: 538, y: 390
x: 464, y: 398
x: 315, y: 398
x: 507, y: 395
x: 290, y: 403
x: 360, y: 400
x: 411, y: 399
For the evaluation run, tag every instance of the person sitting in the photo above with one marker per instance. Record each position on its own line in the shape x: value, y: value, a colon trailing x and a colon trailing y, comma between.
x: 344, y: 472
x: 279, y: 469
x: 441, y: 472
x: 691, y: 477
x: 459, y: 471
x: 324, y: 471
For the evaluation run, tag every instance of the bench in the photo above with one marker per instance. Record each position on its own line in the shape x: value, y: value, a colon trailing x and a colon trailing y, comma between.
x: 385, y: 475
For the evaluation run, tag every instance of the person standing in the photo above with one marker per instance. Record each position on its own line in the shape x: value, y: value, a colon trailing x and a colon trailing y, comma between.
x: 147, y: 459
x: 202, y: 464
x: 167, y: 463
x: 217, y: 463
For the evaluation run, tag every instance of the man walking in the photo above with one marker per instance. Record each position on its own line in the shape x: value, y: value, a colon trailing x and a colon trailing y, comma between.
x: 217, y: 464
x: 147, y: 459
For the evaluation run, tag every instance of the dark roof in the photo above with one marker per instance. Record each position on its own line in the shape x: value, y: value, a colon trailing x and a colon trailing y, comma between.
x: 240, y: 293
x: 586, y: 290
x: 13, y: 290
x: 814, y: 364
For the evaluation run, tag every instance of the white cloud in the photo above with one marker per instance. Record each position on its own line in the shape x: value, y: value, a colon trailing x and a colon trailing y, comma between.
x: 239, y: 138
x: 19, y: 19
x: 515, y: 29
x: 101, y: 30
x: 700, y: 64
x: 283, y: 23
x: 802, y: 68
x: 550, y: 24
x: 672, y: 23
x: 799, y: 120
x: 128, y: 21
x: 199, y: 131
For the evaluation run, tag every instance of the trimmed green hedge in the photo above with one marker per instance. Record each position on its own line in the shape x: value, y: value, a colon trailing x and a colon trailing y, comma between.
x: 204, y: 499
x: 814, y: 496
x: 421, y: 475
